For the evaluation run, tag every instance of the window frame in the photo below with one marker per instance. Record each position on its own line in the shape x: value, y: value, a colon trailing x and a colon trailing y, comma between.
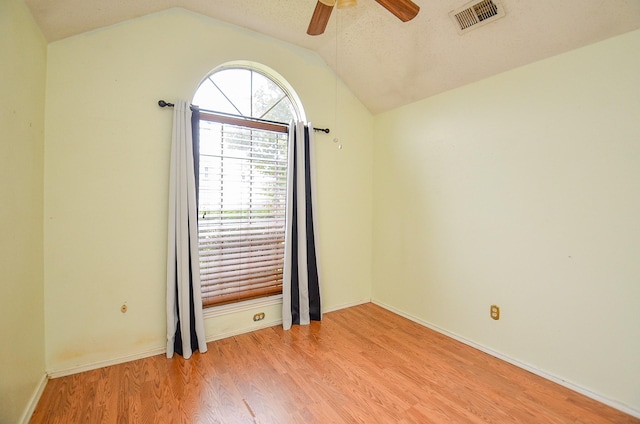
x: 253, y: 124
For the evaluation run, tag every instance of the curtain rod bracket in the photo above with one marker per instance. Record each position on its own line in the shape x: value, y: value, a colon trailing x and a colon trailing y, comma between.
x: 324, y: 130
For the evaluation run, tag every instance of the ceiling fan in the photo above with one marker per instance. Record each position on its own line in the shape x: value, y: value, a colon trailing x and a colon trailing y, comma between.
x: 405, y: 10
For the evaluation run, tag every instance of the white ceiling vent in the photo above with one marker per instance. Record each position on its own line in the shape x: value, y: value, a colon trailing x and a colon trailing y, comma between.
x: 475, y: 14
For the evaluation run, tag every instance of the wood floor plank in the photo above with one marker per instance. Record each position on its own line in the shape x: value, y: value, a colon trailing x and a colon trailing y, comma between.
x: 359, y: 365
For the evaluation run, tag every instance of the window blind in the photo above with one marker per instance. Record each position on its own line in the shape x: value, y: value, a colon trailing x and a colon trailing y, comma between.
x: 241, y: 221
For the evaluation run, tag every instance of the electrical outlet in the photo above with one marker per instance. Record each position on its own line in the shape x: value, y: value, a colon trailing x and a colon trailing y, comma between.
x: 259, y: 316
x: 495, y: 312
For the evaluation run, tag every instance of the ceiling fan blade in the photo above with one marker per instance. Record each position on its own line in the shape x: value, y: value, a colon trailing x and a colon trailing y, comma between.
x: 320, y: 18
x: 405, y: 10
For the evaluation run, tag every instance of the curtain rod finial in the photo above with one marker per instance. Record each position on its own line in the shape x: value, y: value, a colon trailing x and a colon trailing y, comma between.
x: 162, y: 103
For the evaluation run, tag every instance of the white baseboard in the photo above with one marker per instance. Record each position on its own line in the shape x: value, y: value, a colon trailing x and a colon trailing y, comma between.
x: 539, y: 372
x: 347, y: 305
x: 33, y: 401
x: 219, y: 336
x: 101, y: 364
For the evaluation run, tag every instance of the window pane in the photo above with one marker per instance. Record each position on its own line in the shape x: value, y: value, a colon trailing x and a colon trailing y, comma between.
x: 282, y: 112
x: 266, y: 94
x: 210, y: 97
x: 235, y: 84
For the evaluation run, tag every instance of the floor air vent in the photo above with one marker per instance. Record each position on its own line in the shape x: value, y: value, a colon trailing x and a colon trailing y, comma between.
x: 475, y: 14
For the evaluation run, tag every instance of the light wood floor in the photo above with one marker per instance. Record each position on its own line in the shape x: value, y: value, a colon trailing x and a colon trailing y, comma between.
x: 359, y: 365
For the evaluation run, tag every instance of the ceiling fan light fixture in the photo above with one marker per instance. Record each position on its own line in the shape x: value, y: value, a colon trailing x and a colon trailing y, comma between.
x: 405, y: 10
x: 343, y: 4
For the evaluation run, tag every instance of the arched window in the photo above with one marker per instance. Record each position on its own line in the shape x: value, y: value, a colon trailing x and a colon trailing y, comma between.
x: 242, y: 182
x: 250, y: 92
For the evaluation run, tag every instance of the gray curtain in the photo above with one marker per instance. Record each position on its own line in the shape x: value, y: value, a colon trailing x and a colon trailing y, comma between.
x: 185, y: 323
x: 301, y: 282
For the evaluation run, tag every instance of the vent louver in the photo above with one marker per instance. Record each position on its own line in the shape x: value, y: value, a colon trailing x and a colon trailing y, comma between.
x: 475, y: 14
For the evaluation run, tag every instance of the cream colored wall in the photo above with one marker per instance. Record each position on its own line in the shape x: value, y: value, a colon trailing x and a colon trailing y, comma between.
x: 22, y: 88
x: 106, y: 179
x: 522, y: 190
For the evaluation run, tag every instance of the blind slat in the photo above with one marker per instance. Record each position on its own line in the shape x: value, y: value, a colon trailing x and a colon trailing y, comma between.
x: 239, y: 288
x: 240, y: 241
x: 224, y: 270
x: 221, y: 299
x: 243, y: 250
x: 220, y: 262
x: 222, y: 284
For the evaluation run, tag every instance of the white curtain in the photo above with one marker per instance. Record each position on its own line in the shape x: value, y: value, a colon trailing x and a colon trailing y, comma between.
x: 185, y: 324
x: 301, y: 282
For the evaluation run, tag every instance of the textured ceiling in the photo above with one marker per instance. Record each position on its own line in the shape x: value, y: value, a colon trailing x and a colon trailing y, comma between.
x: 385, y: 62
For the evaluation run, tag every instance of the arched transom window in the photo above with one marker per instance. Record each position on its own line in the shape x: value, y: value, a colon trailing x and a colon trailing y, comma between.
x: 248, y: 92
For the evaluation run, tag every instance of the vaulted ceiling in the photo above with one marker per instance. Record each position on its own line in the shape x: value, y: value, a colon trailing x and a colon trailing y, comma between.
x: 385, y: 62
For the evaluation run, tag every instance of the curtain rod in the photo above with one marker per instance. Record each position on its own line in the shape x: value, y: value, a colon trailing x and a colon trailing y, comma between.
x: 163, y: 103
